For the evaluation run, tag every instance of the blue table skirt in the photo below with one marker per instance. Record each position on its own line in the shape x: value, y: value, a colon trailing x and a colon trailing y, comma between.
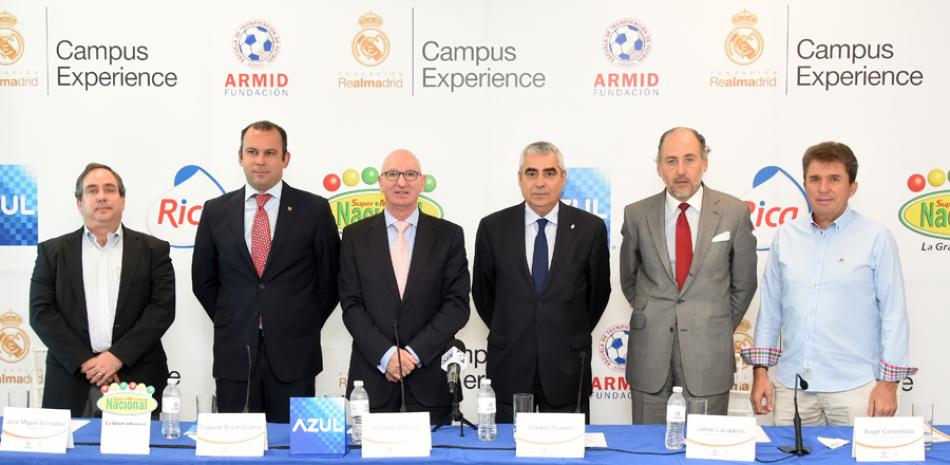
x: 644, y: 439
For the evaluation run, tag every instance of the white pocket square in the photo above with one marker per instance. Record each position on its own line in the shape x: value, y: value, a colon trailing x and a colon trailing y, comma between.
x: 721, y: 237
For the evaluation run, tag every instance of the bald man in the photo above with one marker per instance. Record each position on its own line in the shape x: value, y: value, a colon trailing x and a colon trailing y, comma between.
x: 403, y: 271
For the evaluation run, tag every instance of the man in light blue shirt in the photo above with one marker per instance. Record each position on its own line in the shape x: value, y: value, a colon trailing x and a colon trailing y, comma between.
x: 833, y: 288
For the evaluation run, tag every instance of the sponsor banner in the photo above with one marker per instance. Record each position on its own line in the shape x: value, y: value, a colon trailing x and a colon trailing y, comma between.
x: 19, y: 222
x: 776, y: 198
x: 744, y: 45
x: 354, y: 202
x: 15, y: 73
x: 256, y: 44
x: 589, y: 190
x: 370, y: 48
x: 626, y: 44
x: 928, y: 213
x: 174, y: 216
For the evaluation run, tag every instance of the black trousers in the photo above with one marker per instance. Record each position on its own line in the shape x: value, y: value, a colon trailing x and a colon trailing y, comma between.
x: 436, y: 414
x: 505, y: 407
x: 268, y: 394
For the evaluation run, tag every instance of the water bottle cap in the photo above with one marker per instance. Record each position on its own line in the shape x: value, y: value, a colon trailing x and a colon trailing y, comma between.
x: 358, y: 383
x: 678, y: 389
x: 173, y: 381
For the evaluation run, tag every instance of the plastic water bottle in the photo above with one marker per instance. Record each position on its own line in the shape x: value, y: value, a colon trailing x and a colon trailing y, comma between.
x: 171, y: 410
x: 675, y: 419
x: 487, y: 431
x: 359, y: 406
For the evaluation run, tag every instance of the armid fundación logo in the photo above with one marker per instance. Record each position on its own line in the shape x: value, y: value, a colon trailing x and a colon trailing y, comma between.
x: 626, y: 43
x: 928, y: 214
x: 354, y: 203
x: 256, y: 44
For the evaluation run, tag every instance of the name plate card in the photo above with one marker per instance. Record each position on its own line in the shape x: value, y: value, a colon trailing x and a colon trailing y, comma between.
x: 557, y: 435
x: 888, y: 439
x: 396, y: 435
x: 126, y: 418
x: 36, y: 430
x: 721, y: 437
x: 231, y: 435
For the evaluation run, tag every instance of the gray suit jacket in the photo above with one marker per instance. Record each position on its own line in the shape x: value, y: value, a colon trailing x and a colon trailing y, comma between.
x: 714, y: 298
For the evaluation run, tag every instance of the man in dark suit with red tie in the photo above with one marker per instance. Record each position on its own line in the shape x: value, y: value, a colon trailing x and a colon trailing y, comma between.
x: 265, y: 270
x: 403, y: 271
x: 541, y: 283
x: 101, y: 298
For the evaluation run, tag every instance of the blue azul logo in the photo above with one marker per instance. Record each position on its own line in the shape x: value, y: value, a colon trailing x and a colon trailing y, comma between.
x: 175, y: 214
x: 318, y: 425
x: 776, y: 198
x: 19, y: 222
x: 589, y: 190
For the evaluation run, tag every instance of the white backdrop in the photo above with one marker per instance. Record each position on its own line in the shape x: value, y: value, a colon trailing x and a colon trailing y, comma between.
x: 469, y: 138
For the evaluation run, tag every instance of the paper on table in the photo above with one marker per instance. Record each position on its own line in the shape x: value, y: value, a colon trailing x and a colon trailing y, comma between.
x: 832, y: 443
x: 595, y: 440
x: 760, y: 435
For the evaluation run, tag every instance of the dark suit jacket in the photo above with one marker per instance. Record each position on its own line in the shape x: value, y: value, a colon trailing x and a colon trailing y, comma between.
x: 434, y: 305
x: 144, y: 311
x: 529, y: 331
x: 294, y: 297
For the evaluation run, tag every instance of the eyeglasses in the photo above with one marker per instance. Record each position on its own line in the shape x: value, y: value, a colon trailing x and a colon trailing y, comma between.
x: 393, y: 175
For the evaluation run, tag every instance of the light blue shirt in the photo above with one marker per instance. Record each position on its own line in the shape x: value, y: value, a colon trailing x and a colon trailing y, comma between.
x: 101, y: 273
x: 837, y: 296
x: 250, y: 209
x: 672, y: 215
x: 392, y: 233
x: 531, y: 232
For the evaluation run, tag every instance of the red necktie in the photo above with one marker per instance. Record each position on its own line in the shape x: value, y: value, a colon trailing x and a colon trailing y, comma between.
x: 260, y: 235
x: 684, y: 246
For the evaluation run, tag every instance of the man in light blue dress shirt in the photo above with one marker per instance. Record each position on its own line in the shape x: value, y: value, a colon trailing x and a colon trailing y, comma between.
x: 833, y: 288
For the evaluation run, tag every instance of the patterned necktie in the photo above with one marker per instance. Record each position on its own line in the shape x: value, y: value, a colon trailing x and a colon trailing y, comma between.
x: 684, y: 246
x: 539, y: 263
x: 260, y: 235
x: 400, y: 256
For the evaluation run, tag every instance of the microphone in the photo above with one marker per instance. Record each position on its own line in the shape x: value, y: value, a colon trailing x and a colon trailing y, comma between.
x: 453, y: 362
x: 799, y: 448
x: 582, y: 357
x: 402, y: 384
x: 247, y: 386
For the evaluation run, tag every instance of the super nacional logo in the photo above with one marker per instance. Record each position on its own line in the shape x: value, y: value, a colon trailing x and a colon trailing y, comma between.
x: 256, y: 44
x: 928, y: 214
x: 776, y: 198
x: 127, y: 398
x: 626, y: 43
x: 174, y: 216
x: 356, y: 202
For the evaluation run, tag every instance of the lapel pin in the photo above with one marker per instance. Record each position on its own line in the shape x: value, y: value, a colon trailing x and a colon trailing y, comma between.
x: 841, y: 260
x: 572, y: 226
x: 289, y: 208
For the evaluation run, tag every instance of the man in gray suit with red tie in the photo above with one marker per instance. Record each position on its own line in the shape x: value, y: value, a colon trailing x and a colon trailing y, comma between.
x: 688, y: 269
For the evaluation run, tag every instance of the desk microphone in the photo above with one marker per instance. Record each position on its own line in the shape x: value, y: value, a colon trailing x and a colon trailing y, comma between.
x: 402, y: 384
x: 799, y: 448
x: 582, y: 357
x: 453, y: 361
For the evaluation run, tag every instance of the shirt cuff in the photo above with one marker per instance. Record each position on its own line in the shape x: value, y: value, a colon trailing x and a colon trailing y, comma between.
x: 894, y: 373
x: 384, y: 362
x: 413, y: 353
x: 761, y: 356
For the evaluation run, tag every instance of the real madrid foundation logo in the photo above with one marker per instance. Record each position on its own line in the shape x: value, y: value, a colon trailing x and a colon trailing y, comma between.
x: 11, y: 42
x: 370, y: 45
x: 744, y: 44
x: 627, y: 42
x: 14, y: 342
x: 256, y: 43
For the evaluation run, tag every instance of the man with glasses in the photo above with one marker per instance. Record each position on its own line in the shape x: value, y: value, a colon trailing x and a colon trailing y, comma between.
x: 265, y: 270
x: 688, y: 270
x: 541, y: 283
x: 403, y: 273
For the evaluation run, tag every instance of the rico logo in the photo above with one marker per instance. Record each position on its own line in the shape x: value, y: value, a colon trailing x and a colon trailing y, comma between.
x: 175, y: 215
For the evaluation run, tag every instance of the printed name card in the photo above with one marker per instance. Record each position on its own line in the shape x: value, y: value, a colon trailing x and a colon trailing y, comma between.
x: 396, y: 435
x: 126, y: 418
x: 231, y: 435
x: 559, y: 435
x: 318, y: 426
x: 721, y: 437
x: 888, y: 439
x: 36, y: 430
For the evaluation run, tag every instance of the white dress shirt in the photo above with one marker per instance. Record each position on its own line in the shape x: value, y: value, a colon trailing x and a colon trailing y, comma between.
x: 531, y: 232
x: 101, y: 270
x: 692, y: 217
x: 250, y: 208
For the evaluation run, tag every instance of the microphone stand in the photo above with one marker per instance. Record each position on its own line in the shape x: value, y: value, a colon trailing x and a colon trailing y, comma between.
x: 799, y: 448
x: 402, y: 384
x: 456, y: 414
